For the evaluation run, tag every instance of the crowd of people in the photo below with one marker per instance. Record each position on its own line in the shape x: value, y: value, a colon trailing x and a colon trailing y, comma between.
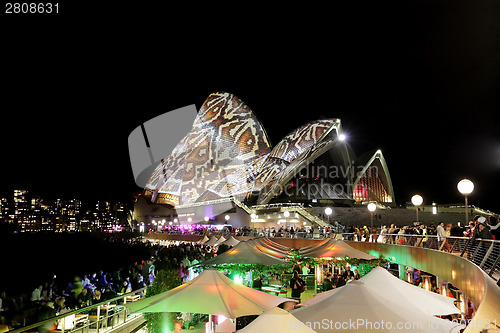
x: 54, y: 297
x: 478, y: 228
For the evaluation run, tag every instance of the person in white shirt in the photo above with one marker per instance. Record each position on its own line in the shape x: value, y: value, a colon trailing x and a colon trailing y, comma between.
x: 441, y: 233
x: 36, y: 295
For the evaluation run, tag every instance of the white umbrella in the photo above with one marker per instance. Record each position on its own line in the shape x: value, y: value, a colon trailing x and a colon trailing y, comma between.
x: 203, y: 240
x: 231, y: 241
x: 210, y: 293
x: 358, y: 308
x: 212, y: 241
x: 334, y: 248
x: 220, y: 241
x: 276, y: 320
x: 319, y: 297
x: 243, y: 253
x: 386, y: 284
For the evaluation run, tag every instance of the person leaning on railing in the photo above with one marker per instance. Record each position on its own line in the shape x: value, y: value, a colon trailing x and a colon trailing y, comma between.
x: 482, y: 231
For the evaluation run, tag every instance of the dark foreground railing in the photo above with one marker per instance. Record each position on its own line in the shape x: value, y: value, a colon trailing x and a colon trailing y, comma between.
x: 100, y: 317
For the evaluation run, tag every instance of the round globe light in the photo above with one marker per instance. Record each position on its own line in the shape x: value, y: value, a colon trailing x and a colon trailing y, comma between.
x: 371, y: 207
x: 465, y: 186
x: 417, y: 200
x: 286, y: 214
x: 227, y: 217
x: 328, y: 211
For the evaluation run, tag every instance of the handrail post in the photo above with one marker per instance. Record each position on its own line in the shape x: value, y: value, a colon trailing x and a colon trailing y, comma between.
x: 487, y: 254
x: 98, y: 315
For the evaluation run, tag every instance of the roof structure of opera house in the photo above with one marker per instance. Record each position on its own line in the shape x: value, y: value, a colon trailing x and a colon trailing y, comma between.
x: 225, y: 168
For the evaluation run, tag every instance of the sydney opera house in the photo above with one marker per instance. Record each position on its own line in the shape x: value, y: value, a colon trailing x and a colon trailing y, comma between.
x: 225, y: 170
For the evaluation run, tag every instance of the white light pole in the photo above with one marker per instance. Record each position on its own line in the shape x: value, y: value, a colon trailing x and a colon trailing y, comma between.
x: 328, y: 212
x: 417, y: 200
x: 466, y: 187
x: 371, y: 207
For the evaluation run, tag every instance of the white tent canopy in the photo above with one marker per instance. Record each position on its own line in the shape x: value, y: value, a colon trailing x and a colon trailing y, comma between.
x: 203, y: 240
x: 211, y: 293
x: 387, y: 285
x: 212, y: 241
x: 357, y: 308
x: 335, y: 248
x: 243, y: 253
x: 231, y: 241
x: 221, y: 240
x: 320, y: 296
x: 276, y: 320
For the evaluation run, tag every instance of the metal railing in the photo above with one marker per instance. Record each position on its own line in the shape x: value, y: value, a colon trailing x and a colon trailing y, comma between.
x: 485, y: 253
x: 99, y: 318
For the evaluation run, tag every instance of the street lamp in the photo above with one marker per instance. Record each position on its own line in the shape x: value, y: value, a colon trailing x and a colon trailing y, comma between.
x: 466, y: 187
x: 417, y: 200
x: 328, y: 211
x: 371, y: 207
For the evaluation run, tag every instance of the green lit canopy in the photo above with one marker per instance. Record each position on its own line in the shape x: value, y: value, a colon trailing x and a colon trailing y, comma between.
x: 210, y: 293
x: 244, y: 253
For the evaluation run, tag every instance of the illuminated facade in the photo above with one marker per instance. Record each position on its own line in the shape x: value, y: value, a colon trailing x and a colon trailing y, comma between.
x: 373, y: 182
x: 227, y: 154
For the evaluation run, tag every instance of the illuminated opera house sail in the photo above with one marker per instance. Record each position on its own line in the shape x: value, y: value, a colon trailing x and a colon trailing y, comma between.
x: 227, y: 154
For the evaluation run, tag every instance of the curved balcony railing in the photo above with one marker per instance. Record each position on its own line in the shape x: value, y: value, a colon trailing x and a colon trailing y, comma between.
x: 485, y: 253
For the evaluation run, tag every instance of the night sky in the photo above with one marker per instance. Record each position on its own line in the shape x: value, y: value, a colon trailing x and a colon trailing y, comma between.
x: 417, y: 79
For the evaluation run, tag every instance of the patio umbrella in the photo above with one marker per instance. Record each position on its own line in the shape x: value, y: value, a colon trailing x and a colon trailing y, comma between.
x: 320, y: 296
x: 358, y: 308
x: 231, y: 241
x: 203, y: 240
x: 268, y: 250
x: 273, y: 244
x: 212, y: 241
x: 243, y: 253
x: 266, y: 245
x: 276, y: 320
x: 384, y: 283
x: 336, y: 248
x: 221, y: 240
x: 210, y: 293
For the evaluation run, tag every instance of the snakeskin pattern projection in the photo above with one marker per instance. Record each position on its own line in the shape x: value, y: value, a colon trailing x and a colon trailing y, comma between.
x: 302, y: 139
x: 227, y: 154
x: 225, y: 136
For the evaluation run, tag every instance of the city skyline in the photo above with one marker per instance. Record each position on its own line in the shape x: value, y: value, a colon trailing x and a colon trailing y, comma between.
x: 23, y: 211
